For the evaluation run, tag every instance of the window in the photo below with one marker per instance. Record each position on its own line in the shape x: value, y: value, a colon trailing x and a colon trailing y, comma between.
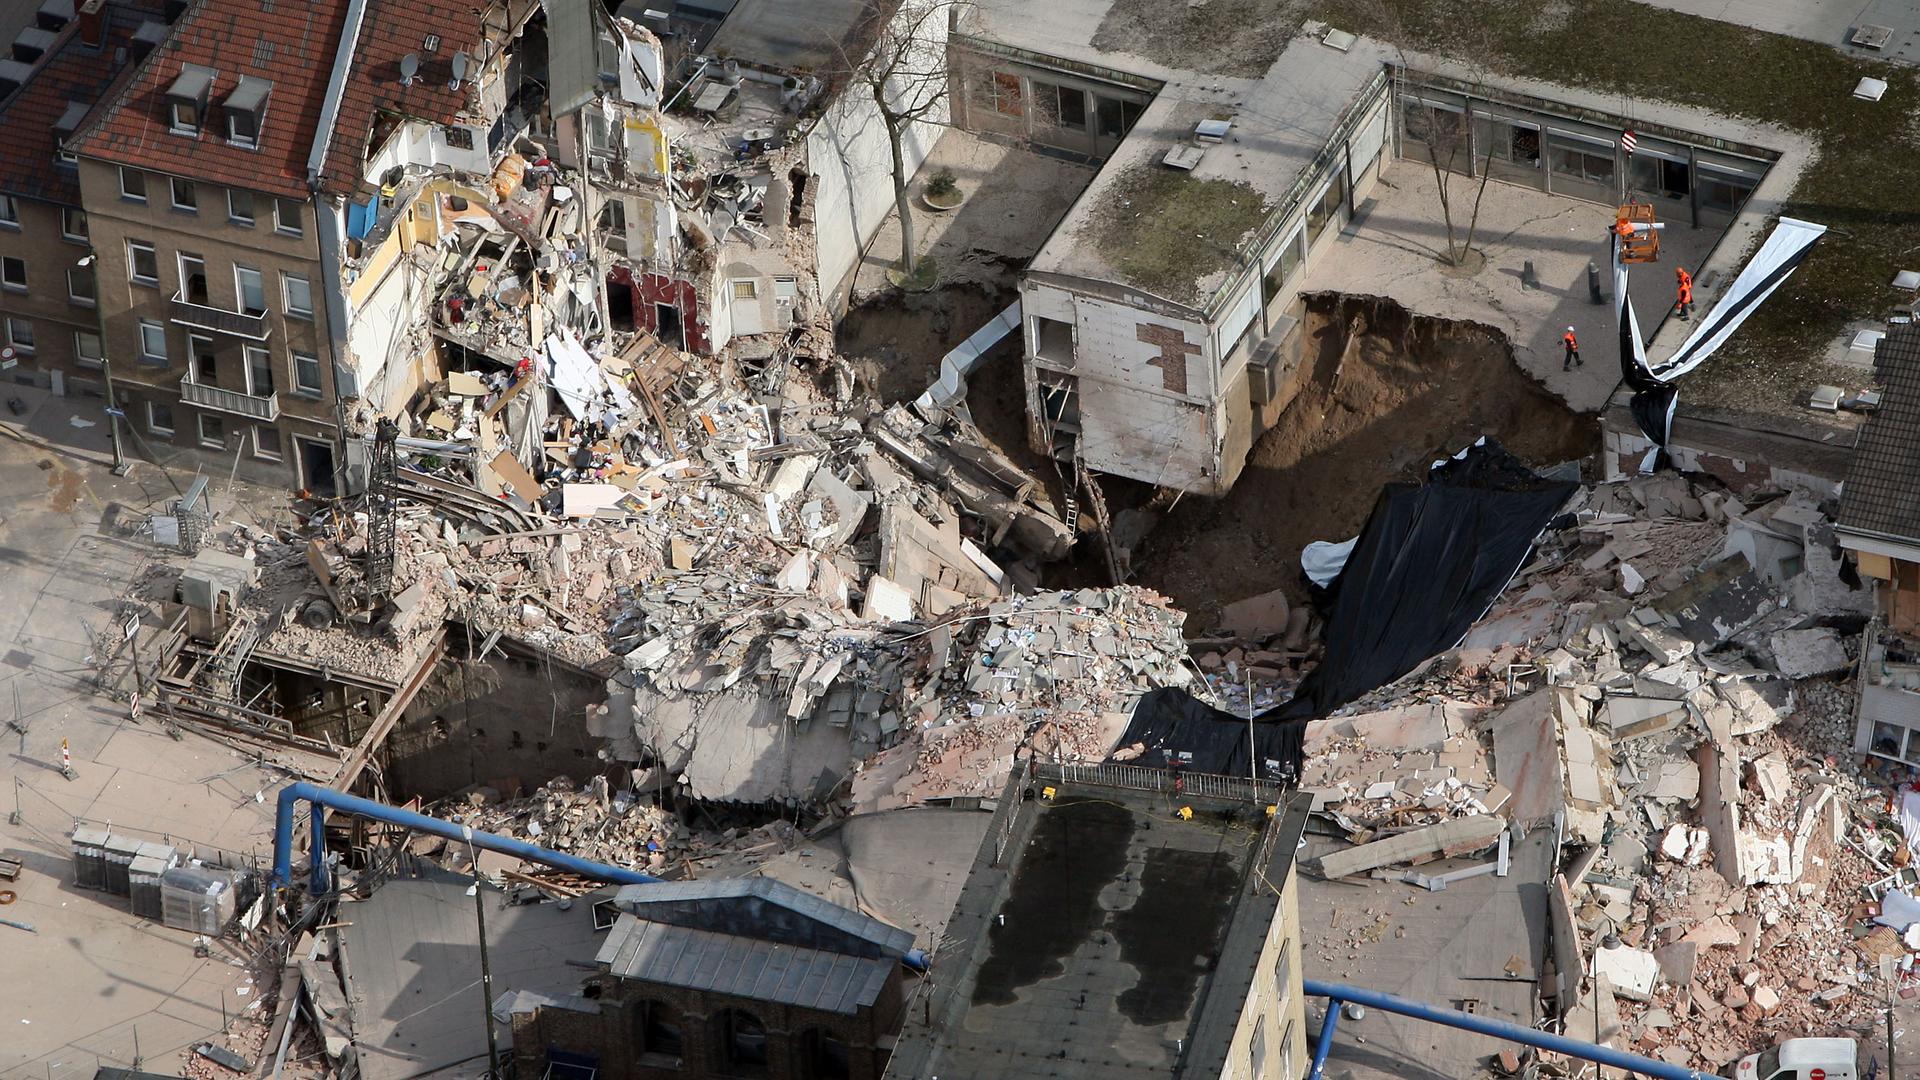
x: 1007, y: 100
x: 1724, y: 190
x: 242, y: 129
x: 259, y: 371
x: 266, y: 442
x: 1257, y: 1056
x: 306, y: 374
x: 159, y: 418
x: 1283, y: 973
x: 824, y: 1057
x: 1291, y: 256
x: 658, y: 1027
x: 193, y: 278
x: 1886, y: 739
x: 251, y: 288
x: 183, y: 118
x: 1061, y: 106
x: 80, y: 288
x: 1326, y: 206
x: 1658, y: 176
x: 206, y: 370
x: 133, y: 184
x: 288, y: 216
x: 299, y: 295
x: 185, y: 195
x: 613, y: 218
x: 240, y: 207
x: 1287, y: 1049
x: 213, y: 432
x: 73, y: 224
x: 1589, y: 162
x: 1114, y: 117
x: 143, y: 266
x: 86, y: 348
x: 1512, y: 141
x: 20, y: 335
x: 13, y: 273
x: 746, y: 289
x: 457, y: 137
x: 9, y: 212
x: 153, y: 341
x: 1441, y: 127
x: 743, y: 1040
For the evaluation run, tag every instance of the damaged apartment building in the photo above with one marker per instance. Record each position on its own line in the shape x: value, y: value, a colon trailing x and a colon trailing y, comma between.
x: 265, y: 232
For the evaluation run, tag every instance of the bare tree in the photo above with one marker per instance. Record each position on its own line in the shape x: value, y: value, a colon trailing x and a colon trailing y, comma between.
x: 1449, y: 136
x: 897, y: 57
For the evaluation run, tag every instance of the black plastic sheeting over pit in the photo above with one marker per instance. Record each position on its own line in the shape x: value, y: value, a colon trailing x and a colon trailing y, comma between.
x: 1430, y: 562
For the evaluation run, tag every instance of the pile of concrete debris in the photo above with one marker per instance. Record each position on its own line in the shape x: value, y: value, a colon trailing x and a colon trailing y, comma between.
x: 785, y: 700
x: 1659, y: 687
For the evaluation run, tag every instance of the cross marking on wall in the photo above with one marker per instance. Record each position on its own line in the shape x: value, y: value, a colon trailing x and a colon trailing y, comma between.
x: 1174, y: 351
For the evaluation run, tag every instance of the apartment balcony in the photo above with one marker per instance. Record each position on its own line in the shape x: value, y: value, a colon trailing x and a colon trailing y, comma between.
x: 220, y: 320
x: 251, y: 406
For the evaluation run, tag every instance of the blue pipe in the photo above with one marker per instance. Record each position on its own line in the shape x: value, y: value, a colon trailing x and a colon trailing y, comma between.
x: 352, y: 804
x: 917, y: 959
x: 1484, y: 1025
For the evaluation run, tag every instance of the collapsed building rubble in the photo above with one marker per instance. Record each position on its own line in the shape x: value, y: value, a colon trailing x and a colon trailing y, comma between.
x: 1664, y: 688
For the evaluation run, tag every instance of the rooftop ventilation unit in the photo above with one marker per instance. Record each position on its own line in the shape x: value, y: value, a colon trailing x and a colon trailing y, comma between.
x: 1212, y: 131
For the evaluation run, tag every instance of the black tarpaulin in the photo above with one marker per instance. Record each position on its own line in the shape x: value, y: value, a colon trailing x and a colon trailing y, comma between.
x: 1431, y: 560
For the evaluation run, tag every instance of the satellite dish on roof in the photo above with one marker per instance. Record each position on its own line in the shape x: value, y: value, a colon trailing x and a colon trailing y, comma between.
x: 409, y: 67
x: 459, y: 70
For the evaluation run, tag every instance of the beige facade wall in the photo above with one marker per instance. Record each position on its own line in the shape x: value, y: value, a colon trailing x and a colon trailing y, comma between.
x: 135, y: 315
x: 41, y: 319
x: 1270, y: 1042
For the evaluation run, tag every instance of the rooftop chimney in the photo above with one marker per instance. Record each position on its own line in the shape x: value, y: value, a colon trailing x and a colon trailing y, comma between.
x: 93, y: 22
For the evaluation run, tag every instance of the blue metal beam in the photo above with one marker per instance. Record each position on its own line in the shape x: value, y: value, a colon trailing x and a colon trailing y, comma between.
x: 322, y: 799
x: 1484, y: 1025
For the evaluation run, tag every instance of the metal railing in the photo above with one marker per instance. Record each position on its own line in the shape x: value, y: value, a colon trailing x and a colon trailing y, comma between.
x: 207, y: 317
x: 1140, y: 778
x: 220, y: 399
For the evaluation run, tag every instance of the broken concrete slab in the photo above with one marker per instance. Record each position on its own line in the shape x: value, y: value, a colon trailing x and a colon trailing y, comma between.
x: 1677, y: 962
x: 1771, y: 776
x: 1460, y: 836
x: 1637, y: 717
x: 1665, y: 646
x: 1631, y: 972
x: 1803, y: 654
x: 1257, y: 618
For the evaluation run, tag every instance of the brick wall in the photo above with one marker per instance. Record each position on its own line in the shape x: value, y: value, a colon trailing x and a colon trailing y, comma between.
x: 798, y: 1041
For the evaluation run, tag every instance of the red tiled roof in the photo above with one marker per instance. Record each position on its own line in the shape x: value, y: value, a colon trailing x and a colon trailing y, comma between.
x: 289, y: 43
x: 393, y: 29
x: 71, y: 71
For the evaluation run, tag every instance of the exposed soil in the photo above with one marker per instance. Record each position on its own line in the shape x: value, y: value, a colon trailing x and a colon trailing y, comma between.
x: 895, y: 342
x: 1387, y: 393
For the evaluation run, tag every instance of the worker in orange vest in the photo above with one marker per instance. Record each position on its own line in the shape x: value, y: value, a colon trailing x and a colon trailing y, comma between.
x: 1684, y: 284
x: 1573, y: 350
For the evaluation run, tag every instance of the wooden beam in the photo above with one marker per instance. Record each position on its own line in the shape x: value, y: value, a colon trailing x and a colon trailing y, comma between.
x: 382, y: 725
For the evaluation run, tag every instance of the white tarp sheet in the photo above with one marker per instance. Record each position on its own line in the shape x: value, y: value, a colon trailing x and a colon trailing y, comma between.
x: 583, y: 388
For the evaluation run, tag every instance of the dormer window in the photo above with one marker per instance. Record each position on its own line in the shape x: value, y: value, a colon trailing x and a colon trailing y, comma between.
x: 187, y: 99
x: 245, y: 108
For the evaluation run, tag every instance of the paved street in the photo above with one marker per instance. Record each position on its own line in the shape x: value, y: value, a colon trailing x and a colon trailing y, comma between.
x: 110, y: 977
